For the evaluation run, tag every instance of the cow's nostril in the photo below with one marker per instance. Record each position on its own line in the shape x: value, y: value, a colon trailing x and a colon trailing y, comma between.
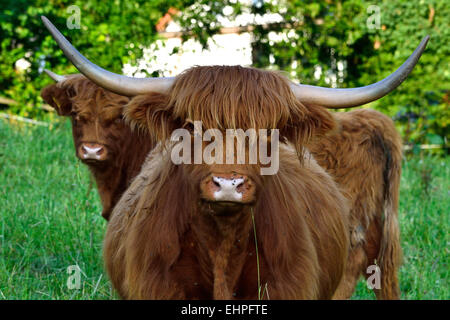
x: 217, y: 184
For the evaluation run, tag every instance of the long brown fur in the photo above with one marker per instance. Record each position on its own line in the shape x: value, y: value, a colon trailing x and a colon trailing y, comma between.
x: 163, y: 243
x: 96, y: 116
x: 364, y: 157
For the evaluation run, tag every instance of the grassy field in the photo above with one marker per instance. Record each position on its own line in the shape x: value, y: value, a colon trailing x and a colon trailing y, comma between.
x: 50, y: 220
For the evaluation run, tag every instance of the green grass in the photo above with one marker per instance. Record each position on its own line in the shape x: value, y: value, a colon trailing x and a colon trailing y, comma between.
x: 50, y: 219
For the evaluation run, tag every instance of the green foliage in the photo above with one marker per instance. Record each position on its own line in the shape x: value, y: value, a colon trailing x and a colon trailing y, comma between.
x: 329, y: 34
x: 50, y: 218
x: 421, y: 105
x: 109, y: 34
x: 200, y: 19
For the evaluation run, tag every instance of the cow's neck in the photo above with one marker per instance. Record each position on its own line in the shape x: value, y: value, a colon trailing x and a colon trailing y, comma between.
x: 111, y: 182
x: 114, y: 178
x: 225, y: 240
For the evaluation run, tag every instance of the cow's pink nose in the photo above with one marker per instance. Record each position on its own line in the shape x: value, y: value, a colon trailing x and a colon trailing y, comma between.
x: 228, y: 188
x: 92, y: 151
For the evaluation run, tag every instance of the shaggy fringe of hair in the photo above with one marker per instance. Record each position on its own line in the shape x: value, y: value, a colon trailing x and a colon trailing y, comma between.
x: 84, y: 95
x: 230, y: 97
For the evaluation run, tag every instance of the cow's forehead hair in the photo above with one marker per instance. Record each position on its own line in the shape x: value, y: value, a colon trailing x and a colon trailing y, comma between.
x: 89, y: 100
x: 233, y: 97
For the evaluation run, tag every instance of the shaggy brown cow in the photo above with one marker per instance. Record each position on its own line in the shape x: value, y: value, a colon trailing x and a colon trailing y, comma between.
x: 170, y: 238
x: 113, y: 153
x: 145, y: 262
x: 364, y: 157
x: 369, y: 176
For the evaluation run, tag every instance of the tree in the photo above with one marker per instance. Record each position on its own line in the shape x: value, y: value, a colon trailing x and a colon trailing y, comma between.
x: 111, y: 33
x: 357, y: 43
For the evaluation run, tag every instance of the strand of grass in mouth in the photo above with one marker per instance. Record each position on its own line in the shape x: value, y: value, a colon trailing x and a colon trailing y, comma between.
x: 257, y: 256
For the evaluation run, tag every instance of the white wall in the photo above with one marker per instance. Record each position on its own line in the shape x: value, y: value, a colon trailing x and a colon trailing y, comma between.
x: 224, y: 49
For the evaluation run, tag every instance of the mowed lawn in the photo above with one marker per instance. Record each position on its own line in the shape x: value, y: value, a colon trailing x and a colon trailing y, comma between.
x: 50, y: 220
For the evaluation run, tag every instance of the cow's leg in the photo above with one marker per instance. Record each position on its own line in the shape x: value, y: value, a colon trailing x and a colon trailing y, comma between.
x: 390, y: 289
x: 389, y: 286
x: 356, y: 260
x: 386, y: 260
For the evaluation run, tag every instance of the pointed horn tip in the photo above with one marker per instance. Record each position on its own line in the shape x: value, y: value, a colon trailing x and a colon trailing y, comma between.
x: 54, y: 76
x: 45, y: 21
x: 49, y: 25
x: 423, y: 43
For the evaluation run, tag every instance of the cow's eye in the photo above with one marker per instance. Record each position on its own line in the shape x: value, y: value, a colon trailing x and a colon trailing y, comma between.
x: 188, y: 125
x: 118, y: 121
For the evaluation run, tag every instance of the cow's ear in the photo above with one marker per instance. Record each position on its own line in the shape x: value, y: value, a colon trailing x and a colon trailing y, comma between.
x: 58, y: 97
x: 320, y: 120
x: 311, y: 123
x: 150, y: 113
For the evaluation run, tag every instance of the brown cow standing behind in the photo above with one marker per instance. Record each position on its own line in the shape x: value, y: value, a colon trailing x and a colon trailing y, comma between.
x: 113, y: 153
x: 364, y: 157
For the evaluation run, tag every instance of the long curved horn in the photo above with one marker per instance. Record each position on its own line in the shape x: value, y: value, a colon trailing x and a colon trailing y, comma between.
x: 119, y: 84
x: 54, y: 76
x: 346, y: 98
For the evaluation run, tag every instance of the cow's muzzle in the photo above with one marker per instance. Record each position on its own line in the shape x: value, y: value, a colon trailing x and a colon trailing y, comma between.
x: 227, y: 193
x: 92, y: 152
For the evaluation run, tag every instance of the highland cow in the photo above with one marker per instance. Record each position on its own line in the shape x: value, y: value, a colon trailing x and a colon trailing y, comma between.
x: 173, y: 236
x: 113, y: 153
